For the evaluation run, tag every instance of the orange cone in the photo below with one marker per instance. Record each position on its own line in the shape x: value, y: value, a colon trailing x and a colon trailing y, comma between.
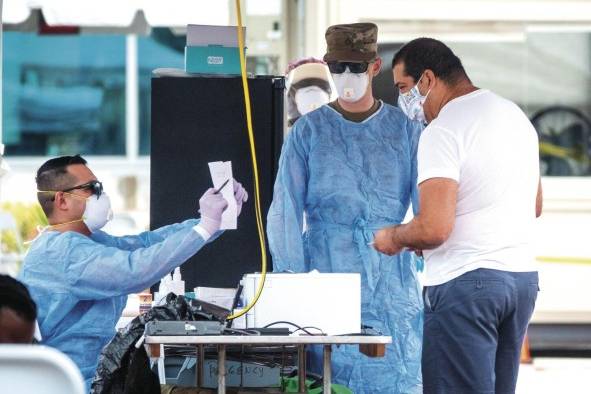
x: 525, y: 353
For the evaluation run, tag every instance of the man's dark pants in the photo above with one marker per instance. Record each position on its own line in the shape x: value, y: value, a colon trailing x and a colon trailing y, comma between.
x: 474, y: 329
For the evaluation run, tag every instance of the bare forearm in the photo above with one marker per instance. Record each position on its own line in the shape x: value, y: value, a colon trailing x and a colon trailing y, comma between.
x: 416, y: 235
x: 431, y: 227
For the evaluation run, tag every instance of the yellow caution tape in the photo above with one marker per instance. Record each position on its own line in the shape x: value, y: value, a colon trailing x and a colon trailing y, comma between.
x: 564, y: 260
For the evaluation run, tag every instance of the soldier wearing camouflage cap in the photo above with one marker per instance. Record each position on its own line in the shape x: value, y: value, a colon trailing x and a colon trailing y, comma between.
x: 357, y: 42
x: 348, y: 168
x: 352, y: 58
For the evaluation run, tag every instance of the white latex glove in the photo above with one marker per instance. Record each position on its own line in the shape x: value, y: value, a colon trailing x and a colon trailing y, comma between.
x: 240, y: 195
x: 211, y: 206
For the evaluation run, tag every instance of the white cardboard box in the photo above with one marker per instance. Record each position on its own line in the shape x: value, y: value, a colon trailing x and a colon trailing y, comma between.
x: 329, y: 301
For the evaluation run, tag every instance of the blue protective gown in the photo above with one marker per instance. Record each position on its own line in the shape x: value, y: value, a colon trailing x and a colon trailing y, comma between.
x: 351, y: 179
x: 80, y: 284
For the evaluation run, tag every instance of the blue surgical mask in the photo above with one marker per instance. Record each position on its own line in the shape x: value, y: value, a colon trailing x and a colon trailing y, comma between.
x: 411, y: 103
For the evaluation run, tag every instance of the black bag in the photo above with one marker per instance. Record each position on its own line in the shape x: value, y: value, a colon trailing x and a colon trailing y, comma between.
x: 123, y: 369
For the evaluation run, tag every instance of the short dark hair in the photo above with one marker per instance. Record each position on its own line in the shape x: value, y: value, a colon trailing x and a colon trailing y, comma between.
x: 427, y: 53
x: 15, y: 296
x: 53, y: 175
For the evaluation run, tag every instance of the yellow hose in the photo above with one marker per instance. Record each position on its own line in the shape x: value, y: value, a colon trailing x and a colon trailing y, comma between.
x: 255, y: 168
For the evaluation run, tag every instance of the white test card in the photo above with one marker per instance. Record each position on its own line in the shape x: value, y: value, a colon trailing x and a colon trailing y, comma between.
x: 221, y: 171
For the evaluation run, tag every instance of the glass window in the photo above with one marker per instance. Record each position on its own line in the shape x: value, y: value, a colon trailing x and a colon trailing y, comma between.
x: 162, y: 49
x: 548, y: 74
x: 63, y: 94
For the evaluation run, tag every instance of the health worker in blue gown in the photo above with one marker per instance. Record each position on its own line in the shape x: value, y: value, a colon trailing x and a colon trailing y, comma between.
x: 80, y: 276
x: 349, y: 168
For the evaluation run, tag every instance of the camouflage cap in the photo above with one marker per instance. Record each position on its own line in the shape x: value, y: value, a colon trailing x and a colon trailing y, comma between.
x: 355, y: 42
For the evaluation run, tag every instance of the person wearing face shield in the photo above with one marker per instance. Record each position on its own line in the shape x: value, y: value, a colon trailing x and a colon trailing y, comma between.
x: 80, y: 276
x: 349, y: 168
x: 480, y: 195
x: 308, y: 88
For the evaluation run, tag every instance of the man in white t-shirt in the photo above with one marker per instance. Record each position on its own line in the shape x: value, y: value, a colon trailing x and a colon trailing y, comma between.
x: 480, y: 194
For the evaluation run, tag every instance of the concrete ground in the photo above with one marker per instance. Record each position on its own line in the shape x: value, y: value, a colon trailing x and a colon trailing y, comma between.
x: 555, y: 376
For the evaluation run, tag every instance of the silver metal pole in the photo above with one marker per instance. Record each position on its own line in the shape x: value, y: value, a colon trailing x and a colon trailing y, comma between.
x: 302, y: 368
x: 131, y: 98
x: 221, y: 369
x: 200, y: 364
x: 1, y: 61
x: 327, y: 369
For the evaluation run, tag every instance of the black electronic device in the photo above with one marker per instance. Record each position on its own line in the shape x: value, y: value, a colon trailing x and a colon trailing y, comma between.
x: 183, y: 328
x: 274, y: 331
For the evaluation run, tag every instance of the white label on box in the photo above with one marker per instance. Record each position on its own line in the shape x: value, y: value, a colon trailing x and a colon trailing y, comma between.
x: 215, y: 60
x: 241, y: 374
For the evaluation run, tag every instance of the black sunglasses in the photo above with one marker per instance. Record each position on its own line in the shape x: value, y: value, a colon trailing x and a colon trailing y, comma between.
x: 95, y: 186
x: 341, y: 67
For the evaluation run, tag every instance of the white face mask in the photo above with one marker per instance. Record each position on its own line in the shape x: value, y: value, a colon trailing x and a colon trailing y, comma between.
x: 310, y: 98
x: 411, y: 103
x: 97, y: 212
x: 350, y: 86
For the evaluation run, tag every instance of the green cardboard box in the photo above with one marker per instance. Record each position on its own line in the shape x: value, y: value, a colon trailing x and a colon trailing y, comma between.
x: 212, y: 59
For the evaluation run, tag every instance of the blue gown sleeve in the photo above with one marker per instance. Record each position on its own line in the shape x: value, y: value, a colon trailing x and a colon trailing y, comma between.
x: 96, y: 271
x: 286, y: 214
x: 414, y: 130
x: 144, y: 239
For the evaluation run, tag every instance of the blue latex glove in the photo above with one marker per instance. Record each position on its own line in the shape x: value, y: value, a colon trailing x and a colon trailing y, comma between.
x: 211, y: 206
x: 240, y: 195
x: 419, y: 262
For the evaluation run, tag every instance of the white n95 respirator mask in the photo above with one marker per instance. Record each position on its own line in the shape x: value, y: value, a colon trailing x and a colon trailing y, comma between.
x: 97, y: 212
x: 351, y: 86
x: 310, y: 98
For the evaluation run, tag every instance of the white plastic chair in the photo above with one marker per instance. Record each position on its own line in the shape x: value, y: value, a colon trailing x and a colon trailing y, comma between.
x: 38, y: 369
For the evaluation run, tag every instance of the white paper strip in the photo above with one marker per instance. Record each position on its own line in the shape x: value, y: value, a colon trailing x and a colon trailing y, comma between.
x: 221, y: 171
